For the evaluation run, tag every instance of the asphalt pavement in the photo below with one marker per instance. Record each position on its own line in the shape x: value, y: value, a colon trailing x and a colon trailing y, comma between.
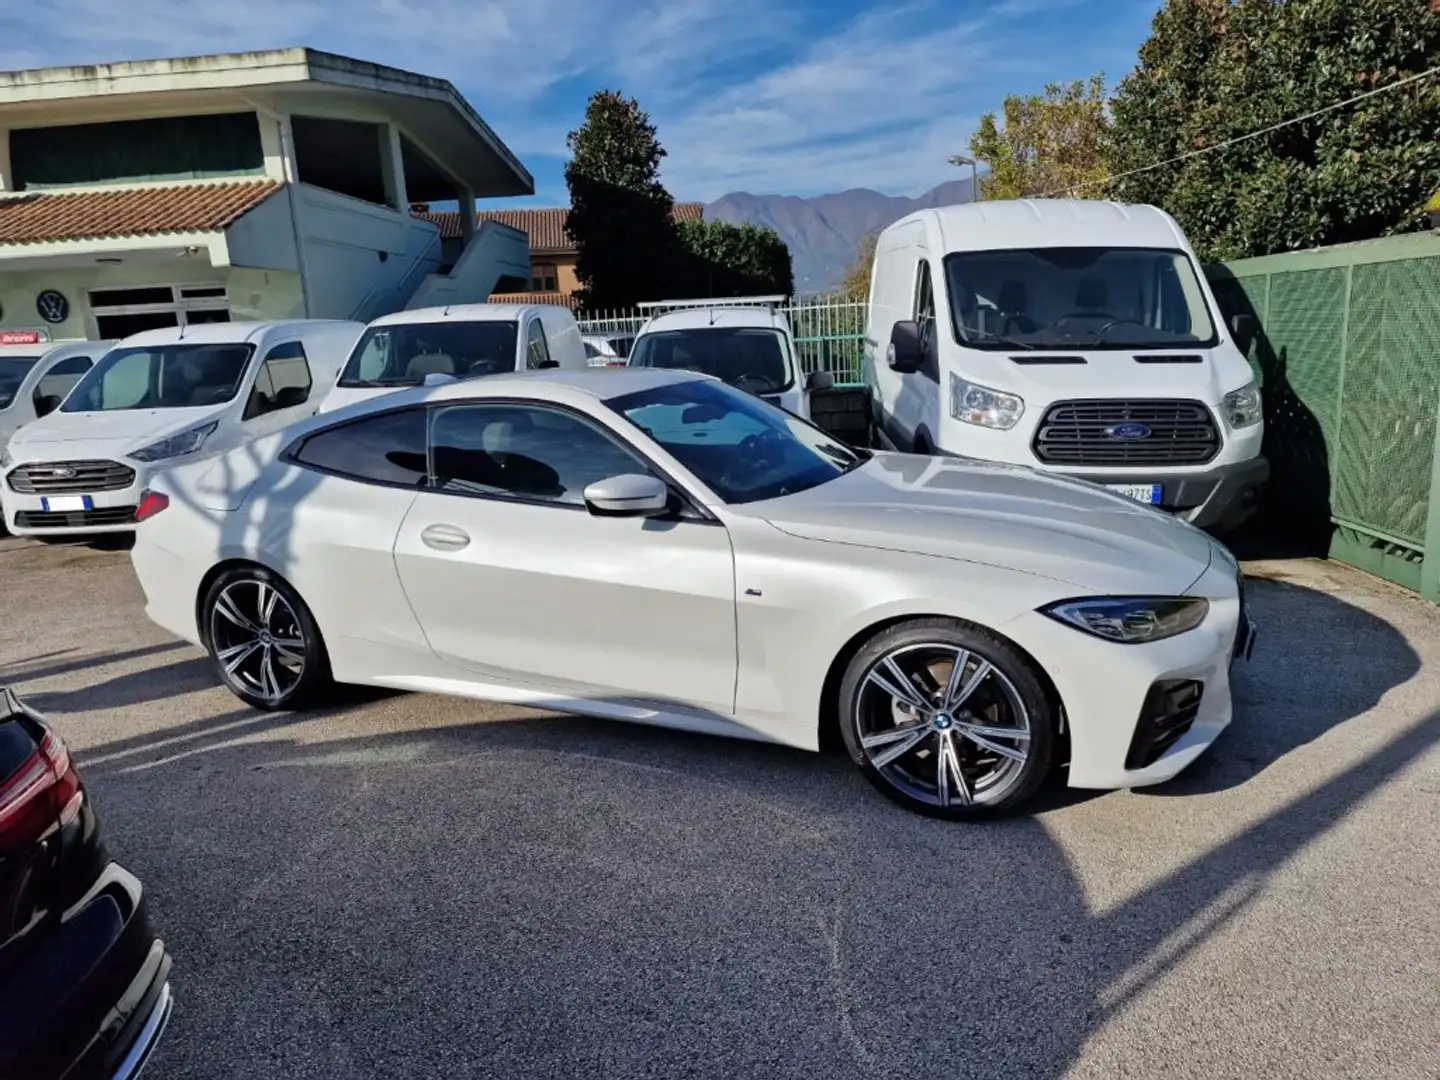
x: 408, y: 885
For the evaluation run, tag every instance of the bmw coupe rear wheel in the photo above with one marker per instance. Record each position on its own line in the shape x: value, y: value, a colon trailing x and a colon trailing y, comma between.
x: 264, y: 640
x: 947, y: 719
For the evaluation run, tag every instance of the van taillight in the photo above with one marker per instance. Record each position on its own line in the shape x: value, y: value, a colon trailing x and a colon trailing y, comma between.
x: 151, y: 503
x: 43, y: 791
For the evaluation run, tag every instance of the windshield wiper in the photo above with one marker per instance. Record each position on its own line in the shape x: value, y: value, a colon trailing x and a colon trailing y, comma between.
x: 1001, y: 339
x: 362, y: 384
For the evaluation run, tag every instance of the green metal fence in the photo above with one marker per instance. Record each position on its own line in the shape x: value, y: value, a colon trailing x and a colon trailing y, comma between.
x: 829, y: 333
x: 1349, y: 361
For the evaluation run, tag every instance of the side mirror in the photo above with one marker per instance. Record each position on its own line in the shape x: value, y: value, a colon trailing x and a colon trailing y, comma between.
x: 46, y: 404
x: 628, y: 495
x: 287, y: 397
x: 820, y: 380
x: 905, y: 355
x: 1243, y: 328
x: 547, y: 364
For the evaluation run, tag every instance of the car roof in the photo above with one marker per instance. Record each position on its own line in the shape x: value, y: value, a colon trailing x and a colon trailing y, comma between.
x: 1037, y: 223
x: 231, y: 333
x: 696, y: 318
x: 461, y: 313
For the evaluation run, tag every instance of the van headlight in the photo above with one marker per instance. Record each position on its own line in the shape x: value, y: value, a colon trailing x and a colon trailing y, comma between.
x: 5, y: 459
x: 1131, y: 620
x: 1243, y: 407
x: 184, y: 442
x: 971, y: 403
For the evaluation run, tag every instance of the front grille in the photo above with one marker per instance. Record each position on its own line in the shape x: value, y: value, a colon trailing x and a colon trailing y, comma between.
x: 1083, y: 433
x: 71, y: 477
x: 1169, y: 712
x: 76, y: 519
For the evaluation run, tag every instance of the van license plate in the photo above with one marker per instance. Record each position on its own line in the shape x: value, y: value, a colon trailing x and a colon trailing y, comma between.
x: 65, y: 504
x: 1146, y: 493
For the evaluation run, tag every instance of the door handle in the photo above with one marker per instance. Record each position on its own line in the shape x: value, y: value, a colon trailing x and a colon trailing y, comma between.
x: 445, y: 537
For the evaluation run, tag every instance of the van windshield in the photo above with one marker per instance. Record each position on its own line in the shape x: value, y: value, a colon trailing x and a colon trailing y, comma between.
x: 1077, y: 297
x: 13, y: 370
x: 748, y: 358
x: 402, y: 354
x: 176, y: 376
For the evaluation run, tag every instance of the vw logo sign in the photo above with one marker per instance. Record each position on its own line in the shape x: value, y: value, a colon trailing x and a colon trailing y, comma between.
x: 1129, y: 430
x: 52, y: 306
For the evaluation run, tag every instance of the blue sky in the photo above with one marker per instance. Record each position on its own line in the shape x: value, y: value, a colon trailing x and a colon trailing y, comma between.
x: 795, y: 97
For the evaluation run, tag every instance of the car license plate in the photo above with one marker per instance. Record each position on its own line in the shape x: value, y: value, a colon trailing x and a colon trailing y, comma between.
x: 1146, y: 493
x: 67, y: 504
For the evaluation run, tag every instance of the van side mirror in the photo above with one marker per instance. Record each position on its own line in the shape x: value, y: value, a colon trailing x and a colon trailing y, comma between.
x: 46, y: 404
x: 1243, y: 328
x: 287, y: 397
x: 820, y: 380
x: 904, y: 354
x: 547, y: 364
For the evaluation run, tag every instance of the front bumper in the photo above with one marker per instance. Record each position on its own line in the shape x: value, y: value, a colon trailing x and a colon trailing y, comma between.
x: 1108, y: 689
x: 1222, y: 497
x: 59, y: 514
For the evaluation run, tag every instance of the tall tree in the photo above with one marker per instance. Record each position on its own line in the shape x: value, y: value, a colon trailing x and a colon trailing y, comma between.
x: 856, y: 283
x: 1214, y: 71
x: 620, y: 212
x: 1044, y: 143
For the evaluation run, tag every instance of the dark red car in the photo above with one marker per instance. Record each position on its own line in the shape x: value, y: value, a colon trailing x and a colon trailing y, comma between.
x: 84, y: 981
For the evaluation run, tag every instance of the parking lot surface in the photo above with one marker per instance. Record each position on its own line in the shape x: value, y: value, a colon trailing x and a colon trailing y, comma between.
x: 409, y: 885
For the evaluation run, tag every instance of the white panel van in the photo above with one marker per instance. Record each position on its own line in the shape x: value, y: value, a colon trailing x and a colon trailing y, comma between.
x: 160, y: 398
x: 1072, y: 336
x: 35, y: 379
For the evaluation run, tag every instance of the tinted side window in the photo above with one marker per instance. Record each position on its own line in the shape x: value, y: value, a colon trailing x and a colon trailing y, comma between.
x: 61, y: 379
x: 282, y: 382
x: 522, y: 452
x: 537, y: 352
x: 388, y: 448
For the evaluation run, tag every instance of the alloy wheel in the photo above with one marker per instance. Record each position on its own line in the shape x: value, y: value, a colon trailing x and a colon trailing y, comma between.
x: 257, y: 640
x: 943, y: 725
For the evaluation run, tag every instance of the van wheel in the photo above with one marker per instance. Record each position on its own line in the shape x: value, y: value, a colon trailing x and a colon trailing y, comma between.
x: 266, y: 646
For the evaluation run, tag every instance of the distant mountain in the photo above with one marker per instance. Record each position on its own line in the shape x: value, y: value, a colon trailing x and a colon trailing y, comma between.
x: 825, y: 231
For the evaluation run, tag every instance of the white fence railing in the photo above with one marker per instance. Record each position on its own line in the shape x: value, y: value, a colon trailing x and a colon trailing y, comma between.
x: 829, y: 332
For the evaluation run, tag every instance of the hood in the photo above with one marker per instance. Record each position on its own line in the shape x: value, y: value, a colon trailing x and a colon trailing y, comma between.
x: 1000, y: 515
x: 111, y: 432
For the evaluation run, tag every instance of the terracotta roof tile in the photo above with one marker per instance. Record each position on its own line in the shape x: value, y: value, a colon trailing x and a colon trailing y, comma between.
x: 546, y: 228
x: 40, y: 217
x: 558, y: 299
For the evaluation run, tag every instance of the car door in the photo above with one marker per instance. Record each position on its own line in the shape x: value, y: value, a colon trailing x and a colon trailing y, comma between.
x: 917, y: 405
x: 56, y: 381
x: 537, y: 349
x: 513, y: 578
x: 281, y: 392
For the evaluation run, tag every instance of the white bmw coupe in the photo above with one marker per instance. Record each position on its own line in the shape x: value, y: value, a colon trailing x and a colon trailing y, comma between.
x: 656, y: 546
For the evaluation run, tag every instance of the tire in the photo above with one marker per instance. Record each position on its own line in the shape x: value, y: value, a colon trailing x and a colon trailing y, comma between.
x: 287, y: 667
x: 901, y: 740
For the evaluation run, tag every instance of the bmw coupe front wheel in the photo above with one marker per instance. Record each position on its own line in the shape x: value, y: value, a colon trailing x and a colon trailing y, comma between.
x: 263, y: 639
x: 947, y: 719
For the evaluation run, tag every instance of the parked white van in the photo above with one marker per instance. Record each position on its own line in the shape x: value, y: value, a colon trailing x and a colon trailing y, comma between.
x: 1078, y: 337
x: 463, y: 341
x: 156, y: 399
x: 744, y: 341
x: 35, y: 379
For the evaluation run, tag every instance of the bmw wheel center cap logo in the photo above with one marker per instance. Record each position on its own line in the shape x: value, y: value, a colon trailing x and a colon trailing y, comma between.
x: 1128, y: 430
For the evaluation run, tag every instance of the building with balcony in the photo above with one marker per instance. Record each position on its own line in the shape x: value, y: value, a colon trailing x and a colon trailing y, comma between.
x: 263, y: 185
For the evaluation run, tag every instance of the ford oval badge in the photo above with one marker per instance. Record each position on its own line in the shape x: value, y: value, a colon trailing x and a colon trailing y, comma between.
x: 1128, y: 431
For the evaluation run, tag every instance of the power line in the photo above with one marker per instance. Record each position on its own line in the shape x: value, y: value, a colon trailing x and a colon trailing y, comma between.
x: 1242, y: 138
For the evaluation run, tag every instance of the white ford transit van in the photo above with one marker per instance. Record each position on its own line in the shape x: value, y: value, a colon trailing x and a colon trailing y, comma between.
x: 156, y: 399
x: 462, y: 341
x: 1073, y: 336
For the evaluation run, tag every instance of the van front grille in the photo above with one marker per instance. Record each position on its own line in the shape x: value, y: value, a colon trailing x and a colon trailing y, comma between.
x: 1124, y: 433
x: 70, y: 477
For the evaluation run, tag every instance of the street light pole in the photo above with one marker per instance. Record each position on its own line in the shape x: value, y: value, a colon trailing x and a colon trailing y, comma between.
x: 960, y: 159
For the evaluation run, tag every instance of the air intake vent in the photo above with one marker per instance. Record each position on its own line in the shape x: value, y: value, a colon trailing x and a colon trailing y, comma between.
x: 62, y: 477
x: 1170, y: 358
x: 1126, y: 433
x: 1028, y: 360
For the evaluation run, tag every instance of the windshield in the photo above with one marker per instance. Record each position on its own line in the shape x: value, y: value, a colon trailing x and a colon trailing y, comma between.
x: 402, y: 354
x: 749, y: 358
x: 13, y: 370
x: 1095, y: 298
x: 178, y: 376
x: 742, y: 448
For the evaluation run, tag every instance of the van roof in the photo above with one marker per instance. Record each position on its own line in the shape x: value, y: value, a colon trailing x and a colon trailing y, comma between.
x: 1041, y: 223
x: 462, y: 313
x: 692, y: 318
x: 231, y: 333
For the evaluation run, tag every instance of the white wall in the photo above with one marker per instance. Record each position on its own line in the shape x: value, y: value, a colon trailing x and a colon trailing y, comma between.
x: 495, y: 250
x: 341, y: 244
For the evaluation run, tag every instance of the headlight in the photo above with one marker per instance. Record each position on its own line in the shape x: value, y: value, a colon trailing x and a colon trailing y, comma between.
x: 5, y: 459
x: 1132, y: 620
x: 1242, y: 407
x: 979, y: 405
x: 186, y: 442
